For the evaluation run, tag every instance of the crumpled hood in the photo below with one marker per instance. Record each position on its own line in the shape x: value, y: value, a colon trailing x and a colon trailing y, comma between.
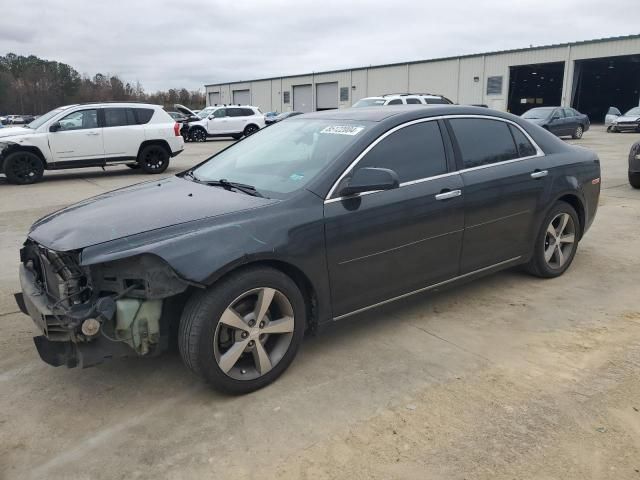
x: 14, y: 132
x: 627, y: 118
x: 137, y: 209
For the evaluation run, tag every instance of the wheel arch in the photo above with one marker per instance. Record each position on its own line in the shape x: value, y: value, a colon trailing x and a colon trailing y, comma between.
x: 160, y: 142
x: 299, y: 277
x: 252, y: 124
x: 15, y: 147
x: 573, y: 199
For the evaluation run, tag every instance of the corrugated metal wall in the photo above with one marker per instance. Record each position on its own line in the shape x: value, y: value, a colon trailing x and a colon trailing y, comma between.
x: 463, y: 80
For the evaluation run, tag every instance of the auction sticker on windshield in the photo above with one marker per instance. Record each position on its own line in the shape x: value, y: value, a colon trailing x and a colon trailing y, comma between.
x: 342, y: 130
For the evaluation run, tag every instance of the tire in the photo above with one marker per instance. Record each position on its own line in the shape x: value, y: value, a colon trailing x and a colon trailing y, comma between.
x: 23, y: 168
x: 205, y: 338
x: 547, y: 261
x: 153, y: 159
x: 198, y: 135
x: 634, y: 179
x: 250, y: 130
x: 578, y: 132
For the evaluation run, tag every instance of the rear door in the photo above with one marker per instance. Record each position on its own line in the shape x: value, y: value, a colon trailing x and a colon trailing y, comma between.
x: 237, y: 119
x: 79, y: 139
x: 505, y: 178
x: 388, y: 243
x: 122, y: 134
x: 571, y: 121
x: 556, y: 124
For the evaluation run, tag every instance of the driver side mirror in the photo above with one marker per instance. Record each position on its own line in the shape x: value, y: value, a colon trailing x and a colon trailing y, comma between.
x: 368, y: 179
x: 55, y: 127
x: 555, y: 117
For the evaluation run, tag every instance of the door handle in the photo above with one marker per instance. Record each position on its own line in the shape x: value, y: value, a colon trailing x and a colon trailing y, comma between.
x: 448, y: 195
x: 539, y: 173
x: 93, y: 133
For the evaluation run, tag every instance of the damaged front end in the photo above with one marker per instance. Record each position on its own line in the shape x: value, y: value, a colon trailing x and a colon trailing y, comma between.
x: 89, y: 313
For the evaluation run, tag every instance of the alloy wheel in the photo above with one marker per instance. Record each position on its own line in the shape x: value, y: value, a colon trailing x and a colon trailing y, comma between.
x: 198, y: 135
x: 154, y: 159
x: 559, y: 240
x: 579, y: 131
x: 254, y: 333
x: 250, y: 130
x: 25, y: 168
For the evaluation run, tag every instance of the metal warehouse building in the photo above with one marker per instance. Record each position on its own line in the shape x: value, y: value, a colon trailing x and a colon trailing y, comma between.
x: 590, y: 76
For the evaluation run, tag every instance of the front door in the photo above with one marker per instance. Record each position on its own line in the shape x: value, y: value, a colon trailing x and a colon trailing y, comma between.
x: 389, y: 243
x: 78, y: 139
x: 504, y: 181
x: 218, y: 122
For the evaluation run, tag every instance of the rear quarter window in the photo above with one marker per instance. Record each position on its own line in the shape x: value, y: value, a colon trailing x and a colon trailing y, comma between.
x: 143, y: 115
x: 483, y: 142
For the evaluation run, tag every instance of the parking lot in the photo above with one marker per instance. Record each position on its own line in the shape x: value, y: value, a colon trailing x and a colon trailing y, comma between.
x: 507, y: 377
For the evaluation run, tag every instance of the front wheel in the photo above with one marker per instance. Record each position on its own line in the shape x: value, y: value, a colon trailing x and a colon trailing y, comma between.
x: 634, y: 179
x: 153, y: 159
x: 23, y: 168
x: 557, y: 242
x: 578, y: 132
x: 198, y: 135
x: 242, y: 333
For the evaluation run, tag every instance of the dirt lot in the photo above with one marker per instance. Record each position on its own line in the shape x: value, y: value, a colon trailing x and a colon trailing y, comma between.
x: 508, y: 377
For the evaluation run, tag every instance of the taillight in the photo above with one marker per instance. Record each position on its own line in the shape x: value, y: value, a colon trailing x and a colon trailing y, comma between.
x: 176, y: 129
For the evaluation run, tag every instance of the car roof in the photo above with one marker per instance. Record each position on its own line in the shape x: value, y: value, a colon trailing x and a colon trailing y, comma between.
x: 401, y: 112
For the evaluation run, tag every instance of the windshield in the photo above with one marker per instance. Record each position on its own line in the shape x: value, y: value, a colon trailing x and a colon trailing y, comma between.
x: 284, y: 157
x: 38, y: 122
x: 206, y: 112
x: 369, y: 102
x: 633, y: 111
x: 539, y: 113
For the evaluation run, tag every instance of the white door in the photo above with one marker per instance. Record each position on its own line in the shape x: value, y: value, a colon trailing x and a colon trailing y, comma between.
x: 327, y: 96
x: 78, y: 138
x: 122, y: 135
x: 218, y: 122
x: 237, y: 119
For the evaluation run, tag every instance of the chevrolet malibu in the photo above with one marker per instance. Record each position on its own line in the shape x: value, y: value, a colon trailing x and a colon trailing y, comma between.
x: 310, y: 221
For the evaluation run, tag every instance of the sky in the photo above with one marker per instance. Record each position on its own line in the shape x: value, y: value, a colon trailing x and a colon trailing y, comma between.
x: 188, y: 43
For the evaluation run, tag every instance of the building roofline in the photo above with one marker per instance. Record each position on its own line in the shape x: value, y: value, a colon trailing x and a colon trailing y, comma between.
x: 440, y: 59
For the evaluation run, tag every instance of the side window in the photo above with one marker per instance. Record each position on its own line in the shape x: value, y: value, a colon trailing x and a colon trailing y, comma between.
x: 436, y: 101
x: 143, y: 115
x: 482, y: 142
x: 247, y: 112
x: 413, y: 101
x: 115, y: 117
x: 413, y: 152
x: 525, y: 148
x: 219, y: 113
x: 131, y: 118
x: 558, y: 113
x: 81, y: 120
x: 235, y: 112
x: 568, y: 112
x: 395, y: 101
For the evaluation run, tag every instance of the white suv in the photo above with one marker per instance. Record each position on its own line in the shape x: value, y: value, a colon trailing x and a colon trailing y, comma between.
x: 224, y: 121
x: 90, y: 135
x: 403, y: 99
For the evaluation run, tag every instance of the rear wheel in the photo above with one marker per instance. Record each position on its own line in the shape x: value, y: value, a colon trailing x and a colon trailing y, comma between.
x: 242, y: 333
x: 634, y: 179
x: 250, y: 130
x: 577, y: 133
x: 153, y: 159
x: 557, y: 242
x: 23, y: 168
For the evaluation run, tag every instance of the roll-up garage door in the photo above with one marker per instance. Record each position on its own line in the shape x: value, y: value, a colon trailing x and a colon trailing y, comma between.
x: 214, y: 98
x: 242, y: 97
x: 302, y: 98
x: 327, y: 96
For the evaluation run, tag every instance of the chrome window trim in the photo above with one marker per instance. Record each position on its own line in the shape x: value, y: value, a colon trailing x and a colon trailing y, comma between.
x: 539, y: 153
x: 427, y: 288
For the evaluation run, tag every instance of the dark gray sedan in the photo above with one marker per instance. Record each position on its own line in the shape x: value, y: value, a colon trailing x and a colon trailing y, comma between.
x: 560, y: 121
x: 312, y: 220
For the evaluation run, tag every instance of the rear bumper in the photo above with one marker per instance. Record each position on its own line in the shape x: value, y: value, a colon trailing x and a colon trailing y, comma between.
x: 625, y: 127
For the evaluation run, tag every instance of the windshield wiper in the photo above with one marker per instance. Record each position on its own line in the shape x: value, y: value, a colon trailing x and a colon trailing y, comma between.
x: 242, y: 187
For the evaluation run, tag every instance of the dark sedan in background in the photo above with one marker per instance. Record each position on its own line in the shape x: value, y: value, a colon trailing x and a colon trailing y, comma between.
x: 634, y: 165
x: 560, y: 121
x: 311, y: 220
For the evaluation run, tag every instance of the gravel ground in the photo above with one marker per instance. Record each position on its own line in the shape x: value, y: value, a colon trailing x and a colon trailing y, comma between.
x: 507, y: 377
